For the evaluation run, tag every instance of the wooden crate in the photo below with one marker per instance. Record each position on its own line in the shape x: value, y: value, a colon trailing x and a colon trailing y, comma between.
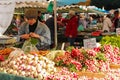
x: 114, y: 66
x: 91, y: 74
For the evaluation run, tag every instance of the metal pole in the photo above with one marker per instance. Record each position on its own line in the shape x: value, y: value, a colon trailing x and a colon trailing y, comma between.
x: 55, y: 23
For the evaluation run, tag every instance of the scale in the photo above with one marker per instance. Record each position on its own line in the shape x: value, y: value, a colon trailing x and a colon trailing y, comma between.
x: 6, y: 41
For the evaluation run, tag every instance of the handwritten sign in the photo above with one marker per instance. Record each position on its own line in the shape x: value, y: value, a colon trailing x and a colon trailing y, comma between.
x: 89, y: 43
x: 117, y: 31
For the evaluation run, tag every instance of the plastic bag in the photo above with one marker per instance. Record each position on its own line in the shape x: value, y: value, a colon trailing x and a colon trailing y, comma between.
x: 80, y: 28
x: 28, y: 46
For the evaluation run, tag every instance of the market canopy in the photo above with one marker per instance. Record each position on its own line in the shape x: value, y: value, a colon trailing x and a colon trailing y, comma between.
x: 68, y: 2
x: 44, y: 3
x: 31, y: 3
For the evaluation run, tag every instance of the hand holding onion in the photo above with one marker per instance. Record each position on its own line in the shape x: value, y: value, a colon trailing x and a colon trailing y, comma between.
x: 25, y: 36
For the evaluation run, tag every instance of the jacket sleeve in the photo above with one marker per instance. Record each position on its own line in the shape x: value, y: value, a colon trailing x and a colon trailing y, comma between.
x: 44, y: 33
x: 22, y: 29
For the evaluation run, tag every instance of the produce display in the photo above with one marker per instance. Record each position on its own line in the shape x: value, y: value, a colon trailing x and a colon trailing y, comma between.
x: 6, y: 51
x: 90, y: 64
x: 83, y: 59
x: 100, y: 63
x: 112, y: 40
x: 27, y: 65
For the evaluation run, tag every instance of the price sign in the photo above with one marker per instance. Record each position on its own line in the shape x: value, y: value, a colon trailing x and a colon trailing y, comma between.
x: 90, y: 43
x: 117, y: 31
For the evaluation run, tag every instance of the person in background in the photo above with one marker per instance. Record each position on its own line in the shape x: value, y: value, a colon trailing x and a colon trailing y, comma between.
x: 107, y: 24
x: 59, y: 21
x: 22, y: 19
x: 32, y: 27
x: 40, y: 16
x: 71, y: 27
x: 100, y: 22
x: 12, y: 29
x: 82, y: 21
x: 50, y: 23
x: 93, y: 21
x: 116, y: 20
x: 78, y: 17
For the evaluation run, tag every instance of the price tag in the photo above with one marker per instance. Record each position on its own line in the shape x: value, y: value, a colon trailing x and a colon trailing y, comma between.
x: 90, y: 43
x: 117, y: 31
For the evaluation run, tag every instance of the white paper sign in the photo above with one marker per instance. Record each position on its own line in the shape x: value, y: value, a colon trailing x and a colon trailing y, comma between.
x: 117, y: 31
x: 90, y: 43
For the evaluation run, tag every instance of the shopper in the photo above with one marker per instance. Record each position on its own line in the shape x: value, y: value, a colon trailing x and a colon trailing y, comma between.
x: 59, y: 21
x: 32, y: 27
x: 40, y: 16
x: 50, y: 23
x: 107, y: 24
x: 116, y: 20
x: 71, y: 27
x: 82, y: 21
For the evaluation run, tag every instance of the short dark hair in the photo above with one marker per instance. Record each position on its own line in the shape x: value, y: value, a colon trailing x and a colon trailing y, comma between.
x: 108, y: 15
x: 31, y: 14
x: 39, y: 12
x: 116, y: 12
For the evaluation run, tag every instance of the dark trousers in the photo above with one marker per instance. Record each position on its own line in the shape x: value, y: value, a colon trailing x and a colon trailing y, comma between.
x: 71, y: 41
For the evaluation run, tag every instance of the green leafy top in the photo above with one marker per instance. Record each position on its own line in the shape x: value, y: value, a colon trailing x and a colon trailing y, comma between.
x: 69, y: 48
x: 112, y: 40
x: 34, y: 41
x: 101, y: 56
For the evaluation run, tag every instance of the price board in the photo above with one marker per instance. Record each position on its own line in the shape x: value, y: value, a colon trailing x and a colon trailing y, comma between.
x: 117, y: 31
x: 90, y: 43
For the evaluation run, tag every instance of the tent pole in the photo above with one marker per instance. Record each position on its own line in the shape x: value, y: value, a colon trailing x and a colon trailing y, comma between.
x: 55, y: 23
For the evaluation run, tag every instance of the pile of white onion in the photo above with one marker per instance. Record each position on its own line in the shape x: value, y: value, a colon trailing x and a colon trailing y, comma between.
x: 28, y: 65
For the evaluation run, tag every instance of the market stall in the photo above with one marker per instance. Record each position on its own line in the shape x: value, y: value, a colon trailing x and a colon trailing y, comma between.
x: 28, y: 63
x: 73, y: 63
x: 33, y: 3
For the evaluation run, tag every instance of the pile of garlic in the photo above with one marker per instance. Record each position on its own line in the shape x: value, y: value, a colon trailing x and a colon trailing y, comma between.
x: 28, y: 65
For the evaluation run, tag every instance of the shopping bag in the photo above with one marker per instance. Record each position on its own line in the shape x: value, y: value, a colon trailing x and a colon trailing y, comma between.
x: 80, y: 28
x: 29, y: 45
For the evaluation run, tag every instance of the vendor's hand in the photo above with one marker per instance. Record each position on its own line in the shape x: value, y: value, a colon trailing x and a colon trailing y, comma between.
x: 25, y: 36
x: 34, y: 35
